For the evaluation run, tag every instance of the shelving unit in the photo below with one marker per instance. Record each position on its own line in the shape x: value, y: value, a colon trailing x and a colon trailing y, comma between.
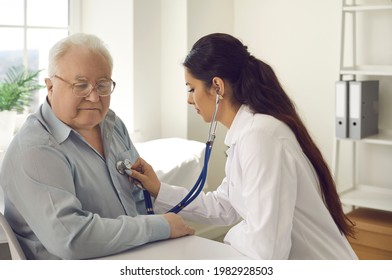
x: 357, y: 194
x: 367, y: 70
x: 362, y: 8
x: 368, y: 197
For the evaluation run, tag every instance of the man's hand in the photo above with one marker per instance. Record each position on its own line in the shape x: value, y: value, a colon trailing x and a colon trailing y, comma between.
x: 178, y: 227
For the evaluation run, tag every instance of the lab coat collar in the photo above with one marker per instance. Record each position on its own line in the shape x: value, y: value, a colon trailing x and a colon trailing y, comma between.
x: 242, y: 117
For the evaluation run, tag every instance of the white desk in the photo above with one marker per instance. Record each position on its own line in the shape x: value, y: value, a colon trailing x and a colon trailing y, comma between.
x: 184, y: 248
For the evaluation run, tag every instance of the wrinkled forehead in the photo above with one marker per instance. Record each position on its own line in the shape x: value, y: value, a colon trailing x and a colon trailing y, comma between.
x: 83, y: 61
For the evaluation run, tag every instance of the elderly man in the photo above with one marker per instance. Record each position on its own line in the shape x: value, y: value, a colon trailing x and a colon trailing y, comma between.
x: 64, y: 197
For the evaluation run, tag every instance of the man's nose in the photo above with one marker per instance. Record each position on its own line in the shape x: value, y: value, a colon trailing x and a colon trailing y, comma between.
x: 93, y: 96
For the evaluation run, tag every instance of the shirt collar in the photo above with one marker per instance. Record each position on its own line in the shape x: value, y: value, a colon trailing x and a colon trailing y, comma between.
x: 242, y: 117
x: 60, y: 130
x: 57, y: 128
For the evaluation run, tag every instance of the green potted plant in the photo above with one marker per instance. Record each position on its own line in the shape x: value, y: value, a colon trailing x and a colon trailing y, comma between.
x: 16, y: 91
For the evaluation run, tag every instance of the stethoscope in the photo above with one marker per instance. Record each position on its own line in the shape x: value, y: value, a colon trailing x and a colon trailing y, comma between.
x: 124, y: 166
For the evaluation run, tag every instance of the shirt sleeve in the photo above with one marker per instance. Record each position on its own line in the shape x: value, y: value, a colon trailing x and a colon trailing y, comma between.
x: 43, y: 192
x: 208, y: 208
x: 269, y: 194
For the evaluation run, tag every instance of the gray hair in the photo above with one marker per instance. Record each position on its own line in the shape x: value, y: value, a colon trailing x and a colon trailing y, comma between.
x: 90, y: 41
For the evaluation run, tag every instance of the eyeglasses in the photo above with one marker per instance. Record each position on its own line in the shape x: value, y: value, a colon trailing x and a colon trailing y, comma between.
x: 83, y: 89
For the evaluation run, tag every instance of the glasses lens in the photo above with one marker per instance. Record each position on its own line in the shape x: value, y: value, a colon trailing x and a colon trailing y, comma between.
x: 81, y: 89
x: 103, y: 88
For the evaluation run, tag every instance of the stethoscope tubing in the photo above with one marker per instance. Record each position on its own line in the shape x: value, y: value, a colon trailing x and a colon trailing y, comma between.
x: 148, y: 202
x: 193, y: 193
x: 198, y: 187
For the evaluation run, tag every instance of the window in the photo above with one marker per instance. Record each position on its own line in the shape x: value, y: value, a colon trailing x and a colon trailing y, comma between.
x: 28, y: 29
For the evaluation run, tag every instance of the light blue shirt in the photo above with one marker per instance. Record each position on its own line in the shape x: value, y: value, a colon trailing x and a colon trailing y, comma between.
x: 65, y: 201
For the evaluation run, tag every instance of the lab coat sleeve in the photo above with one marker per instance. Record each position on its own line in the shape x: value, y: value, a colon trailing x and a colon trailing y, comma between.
x: 208, y: 208
x: 43, y: 190
x: 268, y: 191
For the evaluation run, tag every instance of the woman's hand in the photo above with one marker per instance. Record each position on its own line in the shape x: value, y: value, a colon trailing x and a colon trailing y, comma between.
x: 144, y: 173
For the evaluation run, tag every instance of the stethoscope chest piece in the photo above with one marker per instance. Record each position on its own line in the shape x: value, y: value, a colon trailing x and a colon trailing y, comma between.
x: 122, y: 165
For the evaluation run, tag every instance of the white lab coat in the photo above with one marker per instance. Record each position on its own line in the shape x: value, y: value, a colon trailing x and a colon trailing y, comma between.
x: 272, y: 190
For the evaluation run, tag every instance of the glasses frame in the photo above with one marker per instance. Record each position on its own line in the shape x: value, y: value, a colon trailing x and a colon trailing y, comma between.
x: 93, y: 87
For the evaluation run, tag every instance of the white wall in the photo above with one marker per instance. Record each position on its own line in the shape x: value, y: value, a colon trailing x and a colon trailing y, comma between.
x: 147, y: 69
x: 132, y: 31
x: 174, y: 48
x: 299, y: 39
x: 204, y: 17
x: 114, y: 25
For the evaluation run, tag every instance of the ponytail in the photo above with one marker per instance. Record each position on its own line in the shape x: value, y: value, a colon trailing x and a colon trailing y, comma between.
x: 255, y: 84
x: 259, y: 88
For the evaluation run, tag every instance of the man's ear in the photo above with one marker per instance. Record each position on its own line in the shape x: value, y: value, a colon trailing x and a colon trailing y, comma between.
x: 49, y: 87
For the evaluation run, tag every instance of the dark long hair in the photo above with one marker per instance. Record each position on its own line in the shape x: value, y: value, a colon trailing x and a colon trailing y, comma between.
x: 255, y: 84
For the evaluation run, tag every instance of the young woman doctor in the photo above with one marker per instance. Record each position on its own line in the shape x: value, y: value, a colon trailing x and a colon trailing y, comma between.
x: 278, y: 188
